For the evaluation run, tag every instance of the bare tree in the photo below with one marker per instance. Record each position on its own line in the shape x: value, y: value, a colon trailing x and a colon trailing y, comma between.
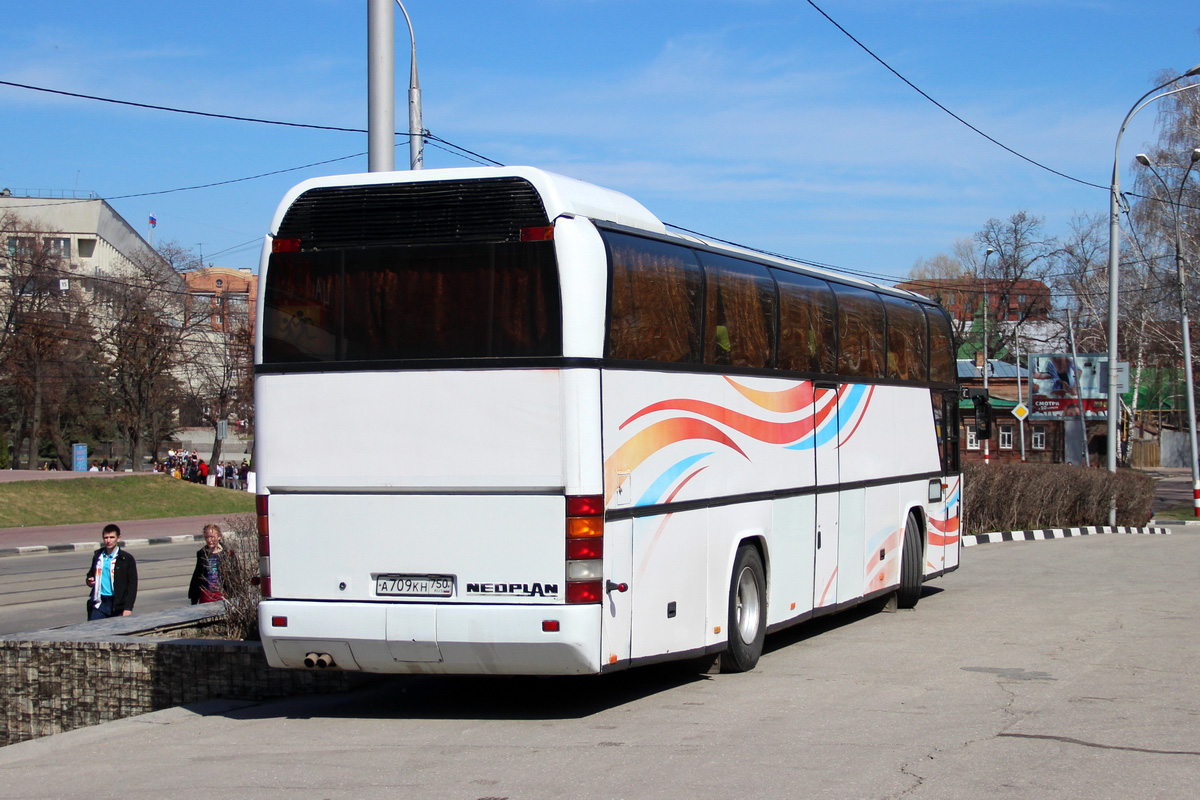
x: 1015, y: 275
x: 945, y: 280
x: 143, y: 325
x: 220, y: 364
x: 1165, y: 202
x: 44, y: 328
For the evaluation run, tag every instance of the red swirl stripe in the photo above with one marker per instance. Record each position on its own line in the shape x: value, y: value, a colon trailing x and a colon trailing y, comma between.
x: 760, y: 429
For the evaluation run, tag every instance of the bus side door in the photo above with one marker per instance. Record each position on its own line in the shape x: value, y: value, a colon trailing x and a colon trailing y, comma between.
x: 828, y: 474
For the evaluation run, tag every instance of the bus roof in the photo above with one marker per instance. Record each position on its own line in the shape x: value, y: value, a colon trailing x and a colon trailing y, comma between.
x: 560, y: 195
x: 571, y: 197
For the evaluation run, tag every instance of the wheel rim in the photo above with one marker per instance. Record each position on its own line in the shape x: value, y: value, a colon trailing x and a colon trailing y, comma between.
x: 748, y: 606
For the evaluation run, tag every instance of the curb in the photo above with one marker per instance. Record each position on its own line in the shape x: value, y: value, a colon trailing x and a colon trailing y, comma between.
x: 43, y: 549
x: 972, y: 539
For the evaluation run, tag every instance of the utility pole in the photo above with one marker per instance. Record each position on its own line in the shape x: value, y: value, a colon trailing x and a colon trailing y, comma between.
x: 1020, y: 399
x: 987, y: 310
x: 381, y: 86
x: 1087, y: 459
x: 381, y: 90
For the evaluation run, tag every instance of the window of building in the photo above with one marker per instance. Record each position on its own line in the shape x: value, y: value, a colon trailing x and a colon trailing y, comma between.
x: 21, y: 246
x: 59, y: 246
x: 87, y: 248
x: 972, y: 439
x: 1006, y: 437
x: 1039, y: 437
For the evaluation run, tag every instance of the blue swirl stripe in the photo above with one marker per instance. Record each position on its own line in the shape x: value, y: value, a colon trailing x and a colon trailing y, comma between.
x: 666, y: 480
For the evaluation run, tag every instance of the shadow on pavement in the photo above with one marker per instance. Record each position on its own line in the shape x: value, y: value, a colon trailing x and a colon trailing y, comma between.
x: 521, y: 698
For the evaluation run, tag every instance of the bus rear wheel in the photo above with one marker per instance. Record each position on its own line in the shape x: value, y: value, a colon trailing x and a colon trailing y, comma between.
x: 912, y: 577
x: 747, y: 612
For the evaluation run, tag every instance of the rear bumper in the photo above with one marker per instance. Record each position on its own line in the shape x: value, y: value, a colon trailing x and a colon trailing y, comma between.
x: 434, y: 638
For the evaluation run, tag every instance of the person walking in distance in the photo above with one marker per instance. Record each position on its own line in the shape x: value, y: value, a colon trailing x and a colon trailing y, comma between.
x: 112, y: 578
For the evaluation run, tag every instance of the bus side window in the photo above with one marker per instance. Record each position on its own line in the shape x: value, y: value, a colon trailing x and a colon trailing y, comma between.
x: 907, y: 345
x: 807, y: 324
x: 654, y: 313
x: 942, y: 367
x: 861, y: 331
x: 739, y: 313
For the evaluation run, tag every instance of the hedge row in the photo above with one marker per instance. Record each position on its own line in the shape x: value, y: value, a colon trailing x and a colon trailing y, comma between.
x: 1012, y: 497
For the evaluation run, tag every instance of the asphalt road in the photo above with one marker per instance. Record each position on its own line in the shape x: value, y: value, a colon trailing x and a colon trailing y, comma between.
x: 46, y: 591
x: 1049, y: 669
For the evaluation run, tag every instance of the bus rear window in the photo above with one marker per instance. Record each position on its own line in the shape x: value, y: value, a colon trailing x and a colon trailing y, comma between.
x: 413, y: 302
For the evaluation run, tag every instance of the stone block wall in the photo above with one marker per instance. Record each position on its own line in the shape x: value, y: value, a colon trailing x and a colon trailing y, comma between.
x: 57, y: 683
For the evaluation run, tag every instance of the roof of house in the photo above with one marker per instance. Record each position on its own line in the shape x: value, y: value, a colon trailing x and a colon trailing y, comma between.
x: 999, y: 369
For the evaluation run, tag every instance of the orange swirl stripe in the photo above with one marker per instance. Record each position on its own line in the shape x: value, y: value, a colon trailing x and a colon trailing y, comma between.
x: 646, y: 443
x: 786, y: 401
x: 760, y: 429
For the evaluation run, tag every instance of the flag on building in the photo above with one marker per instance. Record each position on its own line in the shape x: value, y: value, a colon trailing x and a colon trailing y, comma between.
x: 153, y: 220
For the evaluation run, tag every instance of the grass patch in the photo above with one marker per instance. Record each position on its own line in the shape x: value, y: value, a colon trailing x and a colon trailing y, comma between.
x: 1183, y: 512
x: 66, y: 502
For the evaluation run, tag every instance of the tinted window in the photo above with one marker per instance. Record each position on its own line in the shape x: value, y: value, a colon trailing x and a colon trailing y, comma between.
x: 807, y: 324
x: 413, y: 302
x: 908, y: 347
x: 739, y: 320
x: 655, y: 307
x: 941, y: 347
x: 302, y: 307
x: 860, y: 333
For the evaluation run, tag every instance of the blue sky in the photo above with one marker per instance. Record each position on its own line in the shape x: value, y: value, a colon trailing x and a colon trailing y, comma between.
x: 756, y: 121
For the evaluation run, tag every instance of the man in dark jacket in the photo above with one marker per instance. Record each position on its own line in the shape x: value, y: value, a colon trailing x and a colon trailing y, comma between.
x: 112, y: 578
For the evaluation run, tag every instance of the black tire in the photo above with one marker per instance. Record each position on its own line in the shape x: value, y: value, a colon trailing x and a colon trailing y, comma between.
x: 912, y: 577
x: 747, y: 612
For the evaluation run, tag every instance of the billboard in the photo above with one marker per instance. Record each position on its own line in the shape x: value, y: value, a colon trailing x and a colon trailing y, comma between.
x: 1061, y: 386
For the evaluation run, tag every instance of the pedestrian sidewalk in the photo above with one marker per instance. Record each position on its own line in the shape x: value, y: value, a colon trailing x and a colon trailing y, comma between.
x: 86, y: 536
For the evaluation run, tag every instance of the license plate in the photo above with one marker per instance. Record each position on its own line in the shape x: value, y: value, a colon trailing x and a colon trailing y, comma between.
x: 415, y: 585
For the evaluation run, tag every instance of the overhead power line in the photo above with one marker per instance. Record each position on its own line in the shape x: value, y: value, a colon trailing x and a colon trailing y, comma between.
x: 959, y: 119
x: 450, y: 146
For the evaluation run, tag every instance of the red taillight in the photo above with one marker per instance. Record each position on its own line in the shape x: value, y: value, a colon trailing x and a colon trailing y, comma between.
x: 585, y: 548
x: 264, y: 544
x: 285, y: 245
x: 550, y: 625
x: 585, y: 506
x: 541, y: 233
x: 584, y: 591
x: 278, y: 622
x: 580, y: 549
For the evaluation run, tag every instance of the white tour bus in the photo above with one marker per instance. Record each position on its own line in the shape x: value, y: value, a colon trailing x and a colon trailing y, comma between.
x: 507, y: 423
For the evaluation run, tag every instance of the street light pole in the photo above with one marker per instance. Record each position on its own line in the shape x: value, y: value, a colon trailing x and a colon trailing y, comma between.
x: 416, y: 133
x: 987, y: 310
x: 1114, y: 236
x: 1144, y: 160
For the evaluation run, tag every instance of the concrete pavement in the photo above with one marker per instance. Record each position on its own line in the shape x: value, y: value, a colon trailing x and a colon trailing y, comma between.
x: 1039, y: 671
